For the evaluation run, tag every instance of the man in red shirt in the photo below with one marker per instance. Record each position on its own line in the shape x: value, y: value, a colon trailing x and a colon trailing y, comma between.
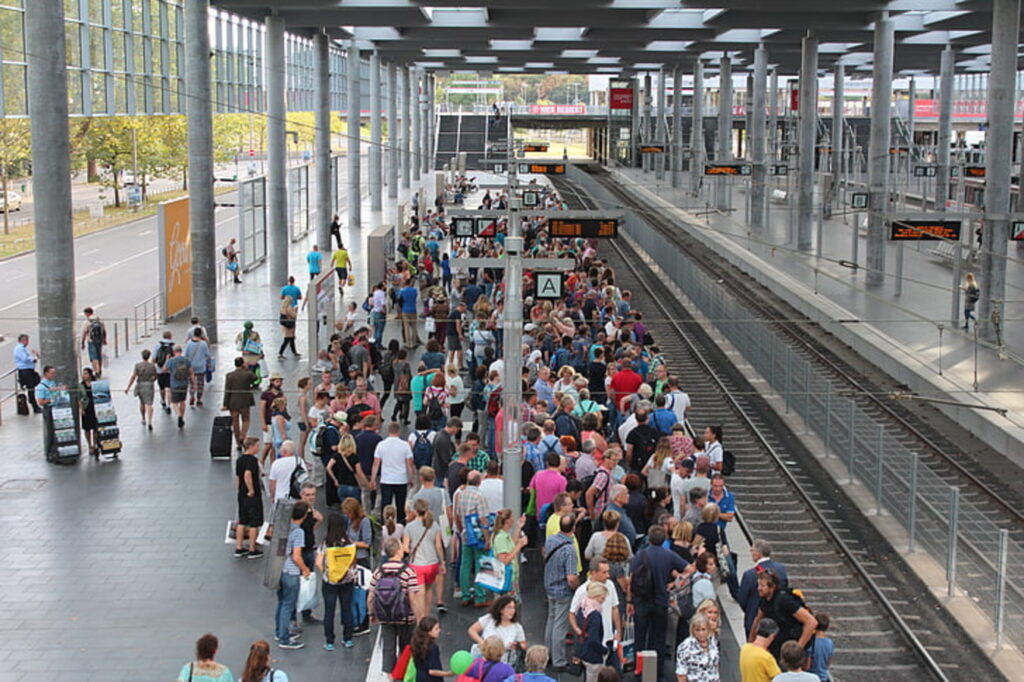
x: 624, y: 383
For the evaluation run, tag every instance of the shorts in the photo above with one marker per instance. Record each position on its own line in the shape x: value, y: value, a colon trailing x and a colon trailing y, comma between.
x: 268, y: 436
x: 95, y: 351
x: 342, y: 276
x: 163, y: 380
x: 250, y: 511
x: 454, y: 343
x: 426, y: 575
x: 302, y: 426
x: 178, y: 394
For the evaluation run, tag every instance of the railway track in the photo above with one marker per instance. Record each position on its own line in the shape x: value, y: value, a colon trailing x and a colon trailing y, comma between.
x: 884, y: 618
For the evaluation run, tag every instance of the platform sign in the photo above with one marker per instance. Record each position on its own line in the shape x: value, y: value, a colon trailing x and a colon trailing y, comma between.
x: 974, y: 171
x: 727, y: 169
x: 535, y: 146
x: 462, y: 228
x: 597, y: 228
x: 550, y: 285
x: 530, y: 198
x: 924, y: 171
x: 1017, y: 231
x: 542, y: 168
x: 486, y: 227
x: 859, y: 200
x: 652, y: 149
x: 924, y: 230
x: 780, y: 169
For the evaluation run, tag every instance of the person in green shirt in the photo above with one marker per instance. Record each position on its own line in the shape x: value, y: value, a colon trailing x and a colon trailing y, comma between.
x: 419, y: 384
x: 508, y: 541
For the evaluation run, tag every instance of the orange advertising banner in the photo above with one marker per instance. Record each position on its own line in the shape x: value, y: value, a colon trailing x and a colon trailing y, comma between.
x: 175, y: 256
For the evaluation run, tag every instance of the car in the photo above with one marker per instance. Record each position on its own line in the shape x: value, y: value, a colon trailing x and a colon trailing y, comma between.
x: 13, y: 202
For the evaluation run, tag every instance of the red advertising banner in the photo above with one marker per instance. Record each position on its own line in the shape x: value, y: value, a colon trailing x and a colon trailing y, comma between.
x: 621, y: 98
x: 558, y: 108
x: 970, y: 109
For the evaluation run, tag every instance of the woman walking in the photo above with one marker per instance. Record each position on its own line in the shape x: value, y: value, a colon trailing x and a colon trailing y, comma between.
x: 204, y: 668
x: 360, y: 532
x: 257, y: 666
x: 344, y: 472
x: 87, y: 408
x: 423, y: 542
x: 280, y: 423
x: 339, y: 580
x: 508, y: 541
x: 250, y: 344
x: 288, y: 314
x: 144, y: 377
x: 971, y: 295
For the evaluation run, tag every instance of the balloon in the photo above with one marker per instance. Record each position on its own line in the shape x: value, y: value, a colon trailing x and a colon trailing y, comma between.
x: 460, y: 662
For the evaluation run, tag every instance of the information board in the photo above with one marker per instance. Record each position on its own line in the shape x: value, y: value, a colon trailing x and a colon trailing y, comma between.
x: 535, y: 146
x: 542, y: 168
x: 652, y: 149
x: 462, y: 228
x: 924, y: 230
x: 974, y: 171
x: 727, y: 169
x: 599, y: 228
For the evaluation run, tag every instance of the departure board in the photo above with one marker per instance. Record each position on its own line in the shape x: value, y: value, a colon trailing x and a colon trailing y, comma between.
x: 727, y: 169
x: 924, y: 230
x: 652, y: 149
x: 598, y: 228
x: 974, y: 171
x: 542, y: 168
x: 535, y: 147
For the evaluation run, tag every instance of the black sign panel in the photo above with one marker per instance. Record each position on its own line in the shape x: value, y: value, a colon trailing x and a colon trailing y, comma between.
x: 463, y: 227
x: 652, y: 149
x: 924, y: 171
x: 924, y: 230
x: 727, y: 169
x: 859, y: 200
x: 542, y: 168
x: 535, y: 147
x: 600, y: 228
x: 780, y: 169
x: 974, y: 171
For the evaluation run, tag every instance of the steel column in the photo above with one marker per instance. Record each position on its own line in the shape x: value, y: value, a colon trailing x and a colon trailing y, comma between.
x: 277, y: 155
x: 376, y: 178
x: 405, y: 127
x: 942, y: 156
x: 322, y: 152
x: 724, y: 151
x: 393, y: 144
x: 838, y: 87
x: 697, y: 130
x: 773, y: 117
x: 659, y: 127
x: 352, y: 105
x: 758, y: 176
x: 878, y: 150
x: 648, y: 137
x: 677, y: 127
x: 807, y: 141
x: 417, y: 123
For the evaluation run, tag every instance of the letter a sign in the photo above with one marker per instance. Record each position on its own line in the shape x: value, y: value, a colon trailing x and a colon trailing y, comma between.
x: 549, y: 285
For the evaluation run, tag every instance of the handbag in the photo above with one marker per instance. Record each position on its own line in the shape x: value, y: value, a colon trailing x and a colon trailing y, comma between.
x: 724, y: 567
x: 430, y: 325
x: 493, y: 575
x: 402, y: 664
x: 232, y: 265
x: 627, y: 647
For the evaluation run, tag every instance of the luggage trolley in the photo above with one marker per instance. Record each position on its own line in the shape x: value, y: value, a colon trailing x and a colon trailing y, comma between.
x: 108, y: 436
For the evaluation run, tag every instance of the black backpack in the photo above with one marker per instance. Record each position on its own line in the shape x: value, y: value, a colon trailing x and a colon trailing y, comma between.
x: 298, y: 477
x: 163, y: 352
x: 434, y: 411
x: 641, y: 582
x: 96, y: 332
x: 728, y: 463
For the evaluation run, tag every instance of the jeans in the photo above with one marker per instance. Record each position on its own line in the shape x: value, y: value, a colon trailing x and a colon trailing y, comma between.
x: 396, y: 492
x: 352, y: 491
x: 333, y: 594
x: 651, y: 622
x: 393, y: 637
x: 287, y: 598
x: 467, y: 574
x: 379, y: 320
x: 556, y: 627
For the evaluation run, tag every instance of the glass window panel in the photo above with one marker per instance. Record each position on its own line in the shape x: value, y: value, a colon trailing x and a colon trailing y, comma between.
x: 14, y: 89
x: 119, y: 60
x: 120, y: 99
x: 74, y: 91
x: 12, y: 36
x: 99, y: 93
x: 70, y: 9
x: 96, y: 52
x: 72, y: 45
x: 96, y: 11
x: 117, y: 13
x: 139, y: 54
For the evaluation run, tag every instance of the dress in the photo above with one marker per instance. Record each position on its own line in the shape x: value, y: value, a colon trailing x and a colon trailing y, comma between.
x: 698, y: 664
x: 145, y: 376
x: 89, y: 422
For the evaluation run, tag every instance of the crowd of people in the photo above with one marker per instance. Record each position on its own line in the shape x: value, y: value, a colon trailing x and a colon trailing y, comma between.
x: 615, y: 481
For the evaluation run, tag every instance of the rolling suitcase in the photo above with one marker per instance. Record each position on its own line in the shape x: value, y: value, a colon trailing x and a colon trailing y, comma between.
x: 220, y: 438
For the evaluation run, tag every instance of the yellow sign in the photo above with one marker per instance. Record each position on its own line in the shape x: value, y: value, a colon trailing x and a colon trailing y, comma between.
x: 176, y: 256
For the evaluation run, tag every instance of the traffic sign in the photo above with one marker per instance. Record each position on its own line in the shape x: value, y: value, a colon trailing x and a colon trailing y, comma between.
x: 530, y: 198
x: 780, y: 169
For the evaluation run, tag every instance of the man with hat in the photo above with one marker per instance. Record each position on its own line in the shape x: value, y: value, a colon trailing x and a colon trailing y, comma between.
x: 267, y: 398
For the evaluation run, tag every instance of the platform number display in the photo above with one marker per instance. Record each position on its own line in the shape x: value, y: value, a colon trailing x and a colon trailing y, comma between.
x: 549, y: 285
x: 859, y: 200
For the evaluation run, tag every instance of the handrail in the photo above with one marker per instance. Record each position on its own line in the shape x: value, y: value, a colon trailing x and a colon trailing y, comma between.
x: 146, y: 317
x: 4, y: 397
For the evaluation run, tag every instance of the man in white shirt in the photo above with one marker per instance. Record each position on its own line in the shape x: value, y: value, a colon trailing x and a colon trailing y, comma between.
x: 611, y: 620
x: 493, y: 486
x: 280, y: 476
x: 676, y: 400
x: 392, y: 459
x: 631, y: 422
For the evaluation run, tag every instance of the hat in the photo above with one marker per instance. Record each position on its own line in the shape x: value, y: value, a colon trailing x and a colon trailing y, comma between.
x: 339, y: 416
x: 276, y: 376
x: 529, y: 327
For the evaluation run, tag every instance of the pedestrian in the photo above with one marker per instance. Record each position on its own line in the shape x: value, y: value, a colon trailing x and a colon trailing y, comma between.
x: 756, y: 662
x: 378, y: 313
x: 293, y: 570
x: 445, y: 443
x: 291, y: 291
x: 425, y: 653
x: 144, y: 377
x: 366, y: 444
x: 267, y: 398
x: 250, y: 344
x: 280, y: 422
x: 198, y: 353
x: 314, y: 259
x: 787, y: 609
x: 408, y: 315
x: 360, y: 532
x: 163, y: 352
x: 588, y: 626
x: 392, y: 459
x: 336, y: 562
x: 489, y: 667
x: 971, y: 295
x: 561, y: 578
x: 25, y: 360
x: 87, y: 410
x: 47, y: 385
x: 279, y: 479
x: 94, y: 336
x: 470, y: 512
x: 697, y: 657
x: 335, y: 230
x: 651, y: 570
x: 342, y: 263
x: 390, y: 603
x: 288, y: 315
x: 794, y: 663
x: 205, y: 668
x: 343, y: 472
x: 822, y: 649
x: 307, y: 494
x: 238, y: 399
x: 423, y: 542
x: 258, y: 665
x: 250, y: 499
x: 509, y: 540
x: 502, y: 621
x: 230, y: 253
x: 536, y: 662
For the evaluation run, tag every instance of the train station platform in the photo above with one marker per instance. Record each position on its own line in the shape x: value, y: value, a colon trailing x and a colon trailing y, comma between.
x: 910, y: 336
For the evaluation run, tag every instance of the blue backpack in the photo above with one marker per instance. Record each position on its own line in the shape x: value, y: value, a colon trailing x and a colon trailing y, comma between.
x: 423, y: 450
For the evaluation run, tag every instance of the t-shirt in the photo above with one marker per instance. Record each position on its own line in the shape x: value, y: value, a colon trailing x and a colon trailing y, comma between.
x: 408, y: 297
x: 824, y: 647
x: 611, y: 603
x: 366, y: 445
x: 508, y: 634
x: 492, y: 489
x: 432, y: 661
x: 172, y: 364
x: 547, y: 483
x: 781, y: 608
x: 552, y: 528
x: 795, y: 677
x: 296, y: 538
x: 662, y: 562
x: 292, y: 292
x: 267, y: 398
x: 314, y: 258
x: 495, y: 672
x: 406, y: 576
x: 756, y: 664
x: 191, y: 672
x: 453, y: 475
x: 251, y: 464
x: 644, y: 439
x: 393, y: 453
x: 340, y: 258
x: 281, y: 473
x: 344, y: 468
x: 426, y: 552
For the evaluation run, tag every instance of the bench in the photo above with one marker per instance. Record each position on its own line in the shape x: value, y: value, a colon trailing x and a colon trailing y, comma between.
x: 946, y: 252
x: 778, y: 196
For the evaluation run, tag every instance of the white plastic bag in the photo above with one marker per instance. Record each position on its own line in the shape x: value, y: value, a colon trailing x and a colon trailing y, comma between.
x: 307, y: 593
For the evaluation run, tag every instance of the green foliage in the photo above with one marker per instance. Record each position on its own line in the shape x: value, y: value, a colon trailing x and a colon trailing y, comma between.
x: 522, y: 89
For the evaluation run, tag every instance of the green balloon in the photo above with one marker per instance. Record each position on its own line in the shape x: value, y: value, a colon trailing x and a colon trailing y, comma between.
x: 460, y: 662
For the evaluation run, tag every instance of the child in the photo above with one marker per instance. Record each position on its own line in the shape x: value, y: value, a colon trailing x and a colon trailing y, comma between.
x: 822, y: 648
x: 425, y: 654
x: 391, y: 527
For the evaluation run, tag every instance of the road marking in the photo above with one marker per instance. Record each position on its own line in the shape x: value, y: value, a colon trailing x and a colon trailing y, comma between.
x: 90, y: 252
x: 145, y: 232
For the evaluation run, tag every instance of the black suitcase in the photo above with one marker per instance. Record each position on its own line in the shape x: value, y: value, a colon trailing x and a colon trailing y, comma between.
x: 22, y: 404
x: 220, y: 438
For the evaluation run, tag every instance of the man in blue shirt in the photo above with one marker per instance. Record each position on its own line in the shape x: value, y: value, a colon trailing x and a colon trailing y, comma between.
x: 46, y: 387
x: 315, y: 259
x: 291, y: 291
x: 408, y: 297
x: 25, y: 362
x: 294, y: 568
x: 198, y: 354
x: 471, y: 294
x: 650, y: 611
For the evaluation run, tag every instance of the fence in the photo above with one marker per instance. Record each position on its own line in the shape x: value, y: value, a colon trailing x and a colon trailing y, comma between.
x: 980, y: 558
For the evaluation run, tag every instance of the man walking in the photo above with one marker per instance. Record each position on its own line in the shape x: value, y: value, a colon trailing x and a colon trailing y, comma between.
x: 238, y: 399
x: 445, y: 443
x: 408, y: 296
x: 392, y: 459
x: 250, y: 499
x: 468, y: 502
x: 390, y: 602
x: 180, y: 370
x: 198, y: 353
x: 25, y: 361
x: 163, y: 352
x: 315, y: 259
x: 94, y: 335
x: 651, y: 570
x: 561, y: 579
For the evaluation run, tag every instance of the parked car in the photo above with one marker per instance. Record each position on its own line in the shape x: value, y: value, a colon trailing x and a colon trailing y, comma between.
x: 13, y: 202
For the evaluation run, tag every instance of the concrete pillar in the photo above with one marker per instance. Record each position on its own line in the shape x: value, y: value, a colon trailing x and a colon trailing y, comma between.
x: 911, y: 96
x: 51, y: 170
x: 277, y: 155
x: 998, y: 160
x: 773, y: 116
x: 353, y: 101
x: 748, y: 121
x: 635, y: 115
x: 677, y: 127
x: 660, y: 131
x: 807, y: 138
x: 393, y: 149
x: 417, y: 123
x: 376, y: 177
x: 405, y: 127
x: 322, y: 152
x: 724, y: 151
x: 837, y: 131
x: 878, y: 150
x: 697, y: 130
x: 945, y: 129
x: 758, y: 173
x: 648, y: 130
x: 425, y: 128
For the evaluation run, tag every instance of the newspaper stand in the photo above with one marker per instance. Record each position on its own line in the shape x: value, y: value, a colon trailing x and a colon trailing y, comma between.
x: 108, y: 436
x: 61, y: 429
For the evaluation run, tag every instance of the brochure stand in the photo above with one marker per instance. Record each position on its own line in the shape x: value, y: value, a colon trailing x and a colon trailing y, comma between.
x: 61, y: 430
x: 108, y: 434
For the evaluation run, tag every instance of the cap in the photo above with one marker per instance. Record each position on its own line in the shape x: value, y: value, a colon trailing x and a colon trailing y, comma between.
x: 353, y: 368
x: 529, y: 327
x: 340, y: 416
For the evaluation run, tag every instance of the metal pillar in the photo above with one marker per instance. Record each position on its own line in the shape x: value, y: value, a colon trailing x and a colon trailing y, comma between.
x: 648, y: 136
x: 773, y: 117
x: 659, y: 127
x: 322, y: 95
x: 758, y: 176
x: 417, y: 123
x: 807, y: 131
x: 998, y: 159
x: 945, y: 130
x: 911, y: 96
x: 277, y: 155
x: 393, y: 143
x: 634, y: 122
x: 677, y: 127
x: 376, y: 176
x: 353, y: 103
x: 405, y: 125
x: 425, y: 129
x: 838, y: 87
x: 697, y: 130
x: 724, y: 151
x: 513, y: 325
x: 51, y: 170
x: 878, y: 150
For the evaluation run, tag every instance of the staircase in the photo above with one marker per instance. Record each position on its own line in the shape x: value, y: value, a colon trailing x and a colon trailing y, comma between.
x: 469, y: 133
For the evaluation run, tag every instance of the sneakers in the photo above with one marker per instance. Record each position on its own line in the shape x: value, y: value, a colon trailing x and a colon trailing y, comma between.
x: 239, y: 553
x: 441, y: 608
x: 258, y: 554
x: 328, y: 646
x: 457, y: 593
x: 291, y: 644
x: 181, y: 422
x: 348, y: 643
x: 361, y: 631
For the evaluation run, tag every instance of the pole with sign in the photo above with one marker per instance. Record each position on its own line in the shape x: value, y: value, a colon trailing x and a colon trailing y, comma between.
x: 320, y: 299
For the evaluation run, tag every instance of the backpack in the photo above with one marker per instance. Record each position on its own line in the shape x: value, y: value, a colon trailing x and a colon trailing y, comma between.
x: 163, y: 352
x: 181, y: 371
x: 974, y: 294
x: 390, y: 601
x: 355, y: 413
x: 340, y: 562
x: 494, y: 403
x: 728, y: 463
x: 224, y: 251
x: 434, y: 411
x: 559, y: 359
x: 97, y: 334
x: 296, y: 480
x: 315, y: 441
x: 423, y: 450
x: 641, y: 582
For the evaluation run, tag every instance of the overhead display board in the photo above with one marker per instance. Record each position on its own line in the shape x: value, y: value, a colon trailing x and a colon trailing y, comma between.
x: 652, y: 149
x: 924, y: 230
x: 542, y: 168
x: 535, y: 146
x: 727, y: 169
x: 974, y: 171
x: 599, y: 228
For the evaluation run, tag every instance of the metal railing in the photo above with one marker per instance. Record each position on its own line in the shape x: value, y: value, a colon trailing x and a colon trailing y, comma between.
x: 6, y: 394
x: 980, y: 557
x: 147, y: 315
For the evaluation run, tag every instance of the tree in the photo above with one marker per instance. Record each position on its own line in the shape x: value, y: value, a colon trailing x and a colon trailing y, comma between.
x: 15, y: 151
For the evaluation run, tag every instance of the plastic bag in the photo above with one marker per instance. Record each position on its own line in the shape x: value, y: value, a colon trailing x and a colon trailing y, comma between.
x: 307, y: 593
x: 627, y: 647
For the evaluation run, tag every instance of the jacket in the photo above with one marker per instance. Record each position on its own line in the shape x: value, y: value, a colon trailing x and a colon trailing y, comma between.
x: 238, y: 389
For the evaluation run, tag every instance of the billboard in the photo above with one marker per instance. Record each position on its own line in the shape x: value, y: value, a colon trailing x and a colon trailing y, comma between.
x: 175, y: 236
x: 621, y: 98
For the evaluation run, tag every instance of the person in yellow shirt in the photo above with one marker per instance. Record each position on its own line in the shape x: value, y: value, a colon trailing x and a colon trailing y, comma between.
x: 756, y: 663
x: 562, y: 506
x: 342, y: 262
